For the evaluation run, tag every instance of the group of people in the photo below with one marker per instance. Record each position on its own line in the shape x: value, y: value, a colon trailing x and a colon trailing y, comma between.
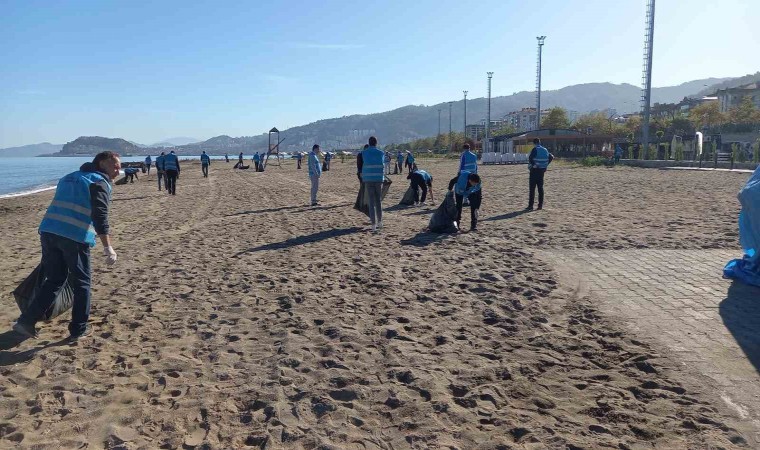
x: 167, y: 170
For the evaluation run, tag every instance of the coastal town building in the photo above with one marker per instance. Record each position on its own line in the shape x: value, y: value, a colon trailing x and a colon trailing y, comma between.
x: 731, y: 97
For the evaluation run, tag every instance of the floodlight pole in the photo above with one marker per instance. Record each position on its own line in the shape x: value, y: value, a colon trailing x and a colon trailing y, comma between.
x: 540, y: 40
x: 488, y: 118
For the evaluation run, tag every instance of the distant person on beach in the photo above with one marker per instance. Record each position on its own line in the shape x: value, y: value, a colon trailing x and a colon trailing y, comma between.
x: 342, y: 157
x: 77, y: 214
x: 130, y: 173
x: 171, y: 165
x: 409, y: 160
x: 148, y: 162
x: 299, y: 157
x: 618, y: 153
x: 372, y: 177
x: 315, y: 171
x: 400, y: 162
x: 421, y: 180
x: 256, y: 160
x: 469, y: 160
x: 226, y: 158
x: 240, y: 158
x: 160, y: 172
x: 387, y: 163
x: 360, y: 163
x: 467, y: 185
x: 328, y: 159
x: 205, y: 162
x: 538, y: 160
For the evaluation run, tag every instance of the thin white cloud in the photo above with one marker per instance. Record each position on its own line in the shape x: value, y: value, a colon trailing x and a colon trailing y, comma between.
x: 318, y: 46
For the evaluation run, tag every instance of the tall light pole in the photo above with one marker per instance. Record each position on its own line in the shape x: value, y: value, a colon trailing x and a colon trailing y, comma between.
x: 439, y: 125
x: 488, y: 118
x: 646, y: 78
x: 465, y: 113
x: 540, y: 40
x: 451, y: 139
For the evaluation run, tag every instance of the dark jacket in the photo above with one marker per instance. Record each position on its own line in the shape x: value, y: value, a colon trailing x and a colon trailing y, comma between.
x: 100, y: 198
x: 359, y: 164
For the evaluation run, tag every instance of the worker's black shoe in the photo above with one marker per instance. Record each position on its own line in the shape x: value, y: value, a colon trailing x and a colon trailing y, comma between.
x: 529, y: 208
x: 28, y: 331
x: 540, y: 207
x: 86, y: 332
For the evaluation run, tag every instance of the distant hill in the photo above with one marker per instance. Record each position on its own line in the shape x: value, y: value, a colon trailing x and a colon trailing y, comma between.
x: 730, y: 83
x: 91, y: 145
x: 44, y: 148
x: 175, y: 142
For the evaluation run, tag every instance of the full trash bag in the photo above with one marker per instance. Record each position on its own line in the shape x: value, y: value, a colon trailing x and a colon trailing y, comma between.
x: 444, y: 218
x: 747, y: 269
x: 362, y: 200
x: 121, y: 181
x: 26, y: 291
x: 408, y: 198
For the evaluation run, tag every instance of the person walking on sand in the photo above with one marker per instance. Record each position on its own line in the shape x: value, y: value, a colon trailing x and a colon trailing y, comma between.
x: 299, y: 156
x: 469, y: 160
x: 467, y: 185
x: 240, y: 158
x: 256, y: 161
x: 171, y: 166
x: 410, y: 160
x: 77, y: 214
x: 226, y: 157
x: 160, y: 172
x: 205, y: 162
x: 315, y: 171
x: 400, y: 162
x: 372, y: 177
x: 387, y: 163
x: 538, y: 160
x: 328, y: 159
x: 148, y: 163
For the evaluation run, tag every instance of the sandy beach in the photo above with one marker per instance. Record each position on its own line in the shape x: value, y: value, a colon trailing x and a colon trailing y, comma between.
x: 239, y: 317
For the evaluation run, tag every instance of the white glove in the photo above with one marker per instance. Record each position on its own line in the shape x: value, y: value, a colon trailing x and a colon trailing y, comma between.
x: 110, y: 255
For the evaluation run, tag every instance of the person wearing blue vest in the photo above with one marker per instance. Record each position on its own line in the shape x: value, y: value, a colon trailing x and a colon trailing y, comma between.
x: 373, y: 177
x: 618, y: 153
x: 256, y: 161
x: 299, y: 157
x: 421, y: 180
x: 469, y: 160
x: 467, y: 185
x: 538, y: 160
x: 76, y: 216
x: 410, y: 161
x: 171, y: 166
x: 328, y: 159
x: 315, y: 171
x: 387, y: 163
x: 148, y: 162
x: 161, y: 173
x: 205, y: 162
x: 399, y: 162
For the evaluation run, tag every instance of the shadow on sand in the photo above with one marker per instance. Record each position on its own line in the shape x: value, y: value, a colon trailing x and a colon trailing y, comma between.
x: 10, y: 340
x: 298, y: 208
x: 740, y: 311
x: 507, y: 216
x: 301, y: 240
x: 425, y: 238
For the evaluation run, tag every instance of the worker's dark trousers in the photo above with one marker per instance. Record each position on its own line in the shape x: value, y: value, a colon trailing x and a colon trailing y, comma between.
x: 171, y: 181
x: 416, y: 187
x: 536, y: 181
x: 299, y: 164
x: 161, y: 176
x: 475, y: 199
x: 62, y: 260
x: 204, y: 169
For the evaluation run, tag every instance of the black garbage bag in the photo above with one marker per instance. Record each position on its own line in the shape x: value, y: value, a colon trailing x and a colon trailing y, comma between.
x: 121, y: 182
x: 408, y: 198
x: 362, y: 201
x: 26, y: 291
x: 444, y: 218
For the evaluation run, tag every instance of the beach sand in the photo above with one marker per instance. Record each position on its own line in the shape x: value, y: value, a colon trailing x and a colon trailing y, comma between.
x: 239, y: 317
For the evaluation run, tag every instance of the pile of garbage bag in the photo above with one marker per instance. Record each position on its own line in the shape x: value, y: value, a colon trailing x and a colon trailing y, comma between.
x: 26, y: 291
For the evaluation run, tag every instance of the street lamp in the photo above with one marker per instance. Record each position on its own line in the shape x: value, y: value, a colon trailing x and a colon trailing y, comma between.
x: 538, y: 82
x: 488, y: 118
x: 451, y: 138
x: 465, y: 112
x: 439, y: 125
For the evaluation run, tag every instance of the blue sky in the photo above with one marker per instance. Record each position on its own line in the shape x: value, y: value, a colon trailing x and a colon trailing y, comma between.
x: 147, y: 71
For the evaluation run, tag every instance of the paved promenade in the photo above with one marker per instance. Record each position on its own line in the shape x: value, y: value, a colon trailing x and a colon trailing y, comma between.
x: 678, y: 300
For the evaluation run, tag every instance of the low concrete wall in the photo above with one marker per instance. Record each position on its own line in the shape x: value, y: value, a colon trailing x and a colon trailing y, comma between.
x: 657, y: 164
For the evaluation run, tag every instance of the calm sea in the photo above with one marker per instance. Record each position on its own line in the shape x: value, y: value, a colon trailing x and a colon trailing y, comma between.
x: 19, y: 176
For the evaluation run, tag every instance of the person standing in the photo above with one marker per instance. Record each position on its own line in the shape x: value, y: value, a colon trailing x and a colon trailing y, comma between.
x: 618, y: 153
x: 387, y: 163
x: 256, y: 160
x: 226, y: 157
x: 240, y: 159
x: 160, y: 170
x: 299, y: 156
x: 148, y: 163
x: 469, y: 160
x: 421, y: 180
x: 77, y: 214
x: 410, y: 161
x: 205, y: 162
x: 328, y: 159
x: 467, y: 185
x: 538, y: 160
x: 315, y: 171
x: 171, y: 166
x: 372, y: 177
x: 360, y: 163
x: 400, y: 162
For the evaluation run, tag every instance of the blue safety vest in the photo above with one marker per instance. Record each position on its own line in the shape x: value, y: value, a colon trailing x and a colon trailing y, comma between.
x: 426, y: 176
x: 69, y: 215
x: 372, y: 165
x: 171, y: 162
x: 205, y: 159
x: 148, y: 160
x: 469, y: 162
x: 160, y: 162
x: 541, y: 160
x: 328, y: 156
x: 256, y: 157
x: 315, y: 168
x: 410, y: 158
x: 461, y: 185
x: 400, y: 157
